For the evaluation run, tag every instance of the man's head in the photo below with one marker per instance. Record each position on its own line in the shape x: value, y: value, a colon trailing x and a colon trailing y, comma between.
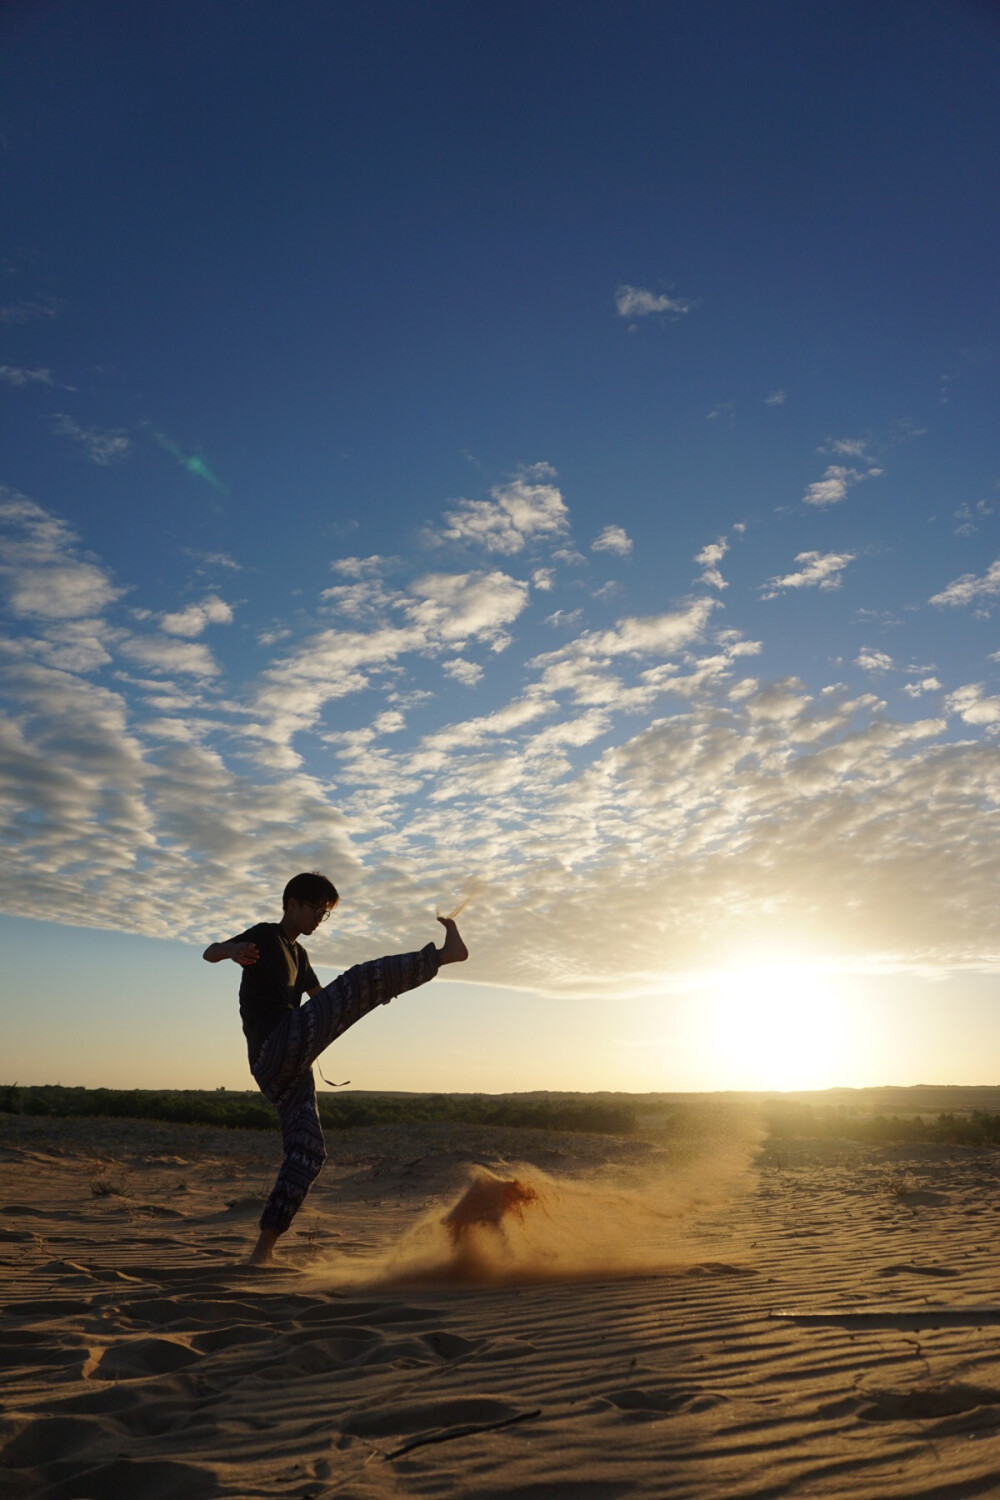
x: 307, y: 899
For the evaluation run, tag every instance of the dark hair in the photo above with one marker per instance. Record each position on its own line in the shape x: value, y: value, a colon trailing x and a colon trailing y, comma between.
x: 312, y: 887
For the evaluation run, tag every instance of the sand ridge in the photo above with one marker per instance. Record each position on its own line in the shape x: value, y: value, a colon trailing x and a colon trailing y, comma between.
x: 825, y: 1326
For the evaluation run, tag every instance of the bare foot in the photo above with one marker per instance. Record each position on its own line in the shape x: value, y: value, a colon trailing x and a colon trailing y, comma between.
x: 261, y: 1252
x: 453, y: 950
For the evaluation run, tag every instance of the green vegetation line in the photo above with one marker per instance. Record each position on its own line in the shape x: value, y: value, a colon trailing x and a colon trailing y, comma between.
x: 250, y: 1111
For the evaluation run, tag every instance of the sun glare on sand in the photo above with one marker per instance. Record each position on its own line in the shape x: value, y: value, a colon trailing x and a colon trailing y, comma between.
x: 777, y: 1025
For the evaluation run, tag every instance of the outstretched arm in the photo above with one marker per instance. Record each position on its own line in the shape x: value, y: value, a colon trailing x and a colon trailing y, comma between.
x: 243, y: 954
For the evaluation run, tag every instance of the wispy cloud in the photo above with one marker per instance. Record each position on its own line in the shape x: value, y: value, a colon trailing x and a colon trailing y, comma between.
x: 101, y: 445
x: 165, y: 654
x: 776, y: 398
x: 847, y: 447
x: 970, y: 517
x: 833, y: 487
x: 17, y: 376
x: 969, y: 588
x: 818, y: 570
x: 613, y: 539
x: 638, y: 302
x: 214, y: 560
x: 30, y: 311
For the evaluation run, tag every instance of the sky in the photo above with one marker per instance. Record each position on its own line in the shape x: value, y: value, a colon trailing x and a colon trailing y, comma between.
x: 536, y: 454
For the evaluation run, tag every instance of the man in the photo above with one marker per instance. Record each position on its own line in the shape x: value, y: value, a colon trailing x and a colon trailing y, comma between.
x: 284, y: 1036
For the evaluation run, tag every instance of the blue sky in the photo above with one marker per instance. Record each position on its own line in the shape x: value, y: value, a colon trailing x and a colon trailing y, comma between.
x: 543, y: 452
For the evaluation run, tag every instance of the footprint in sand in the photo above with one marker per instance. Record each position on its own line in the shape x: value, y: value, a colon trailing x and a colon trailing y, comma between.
x: 636, y: 1401
x: 921, y: 1403
x: 69, y: 1437
x: 139, y: 1358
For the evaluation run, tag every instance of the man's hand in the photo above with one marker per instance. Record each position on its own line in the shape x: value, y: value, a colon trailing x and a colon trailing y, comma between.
x: 452, y: 950
x: 243, y: 954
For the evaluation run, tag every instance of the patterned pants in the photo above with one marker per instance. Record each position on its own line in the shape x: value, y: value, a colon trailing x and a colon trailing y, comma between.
x: 283, y: 1069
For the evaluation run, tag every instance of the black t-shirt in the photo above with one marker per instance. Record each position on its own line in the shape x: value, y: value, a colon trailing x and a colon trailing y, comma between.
x: 273, y: 985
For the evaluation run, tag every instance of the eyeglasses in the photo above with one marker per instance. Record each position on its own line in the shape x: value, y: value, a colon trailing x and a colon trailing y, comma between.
x: 320, y: 907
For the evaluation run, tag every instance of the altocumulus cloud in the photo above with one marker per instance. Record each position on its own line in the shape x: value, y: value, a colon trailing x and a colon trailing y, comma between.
x: 969, y: 588
x: 527, y: 508
x: 633, y: 802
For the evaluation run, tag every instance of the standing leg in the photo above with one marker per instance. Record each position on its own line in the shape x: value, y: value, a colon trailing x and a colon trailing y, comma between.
x: 283, y: 1073
x: 305, y: 1153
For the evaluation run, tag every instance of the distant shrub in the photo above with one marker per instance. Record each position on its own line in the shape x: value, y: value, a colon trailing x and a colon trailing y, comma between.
x: 980, y: 1127
x: 250, y: 1111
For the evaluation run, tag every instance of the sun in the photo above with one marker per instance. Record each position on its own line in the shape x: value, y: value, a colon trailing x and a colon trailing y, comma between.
x: 777, y: 1025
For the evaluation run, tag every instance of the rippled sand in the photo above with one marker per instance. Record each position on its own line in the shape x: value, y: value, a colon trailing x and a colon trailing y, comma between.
x: 496, y: 1313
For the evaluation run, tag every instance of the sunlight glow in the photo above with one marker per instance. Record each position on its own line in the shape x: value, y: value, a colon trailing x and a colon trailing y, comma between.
x: 777, y: 1025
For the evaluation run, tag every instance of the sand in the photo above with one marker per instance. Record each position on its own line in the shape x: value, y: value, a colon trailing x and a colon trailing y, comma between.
x: 656, y: 1317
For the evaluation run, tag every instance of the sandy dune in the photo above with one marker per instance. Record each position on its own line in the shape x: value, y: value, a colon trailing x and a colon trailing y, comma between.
x: 638, y: 1319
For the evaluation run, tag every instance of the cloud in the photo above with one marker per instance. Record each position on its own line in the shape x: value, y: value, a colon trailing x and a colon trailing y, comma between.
x: 443, y: 612
x: 969, y: 517
x: 164, y: 654
x: 359, y: 567
x: 870, y: 660
x: 455, y: 607
x: 364, y: 599
x: 581, y: 666
x: 776, y: 398
x: 28, y: 312
x: 709, y: 559
x: 822, y: 570
x: 101, y: 446
x: 613, y: 539
x: 833, y: 487
x: 654, y: 634
x: 502, y: 722
x: 637, y: 302
x: 466, y: 672
x: 42, y: 575
x: 215, y: 560
x: 968, y: 588
x: 846, y: 447
x: 195, y: 617
x: 973, y: 705
x: 631, y: 784
x: 15, y: 375
x: 522, y: 511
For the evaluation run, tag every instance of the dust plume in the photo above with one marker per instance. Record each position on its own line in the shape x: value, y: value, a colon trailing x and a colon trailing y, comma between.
x: 471, y: 888
x: 516, y: 1224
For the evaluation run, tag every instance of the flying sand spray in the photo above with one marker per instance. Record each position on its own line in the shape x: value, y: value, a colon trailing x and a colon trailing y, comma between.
x: 519, y: 1224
